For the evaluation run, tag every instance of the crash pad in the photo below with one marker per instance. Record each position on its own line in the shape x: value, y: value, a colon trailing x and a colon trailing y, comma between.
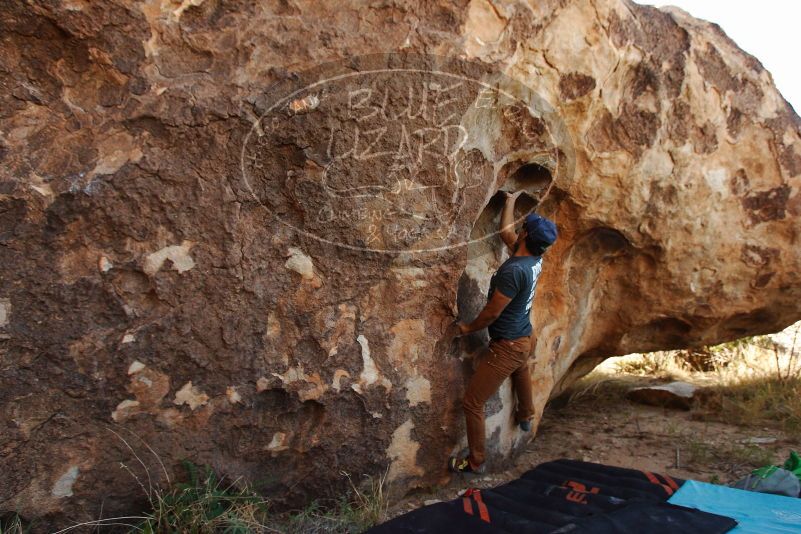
x: 566, y: 496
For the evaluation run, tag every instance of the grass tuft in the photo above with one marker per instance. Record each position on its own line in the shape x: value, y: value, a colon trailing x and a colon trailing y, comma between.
x: 12, y: 523
x: 362, y: 508
x: 204, y: 505
x: 760, y: 400
x: 727, y: 457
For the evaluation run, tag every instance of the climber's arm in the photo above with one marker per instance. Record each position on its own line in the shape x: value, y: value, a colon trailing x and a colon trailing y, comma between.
x: 507, y: 220
x: 488, y: 315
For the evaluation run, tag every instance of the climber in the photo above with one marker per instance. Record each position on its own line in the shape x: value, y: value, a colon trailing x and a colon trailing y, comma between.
x: 508, y: 316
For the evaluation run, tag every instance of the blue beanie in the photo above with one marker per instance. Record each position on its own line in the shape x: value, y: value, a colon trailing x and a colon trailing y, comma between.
x: 540, y: 229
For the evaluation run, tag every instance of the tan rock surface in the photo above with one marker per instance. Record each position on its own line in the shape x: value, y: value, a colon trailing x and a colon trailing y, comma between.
x: 673, y: 395
x: 161, y: 184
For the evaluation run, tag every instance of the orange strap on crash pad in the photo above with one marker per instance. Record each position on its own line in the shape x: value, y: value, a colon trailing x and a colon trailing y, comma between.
x: 652, y: 478
x: 671, y: 482
x: 483, y: 512
x: 468, y: 506
x: 482, y: 508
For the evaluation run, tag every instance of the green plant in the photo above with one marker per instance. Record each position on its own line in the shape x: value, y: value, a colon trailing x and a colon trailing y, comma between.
x: 205, y: 505
x: 11, y: 523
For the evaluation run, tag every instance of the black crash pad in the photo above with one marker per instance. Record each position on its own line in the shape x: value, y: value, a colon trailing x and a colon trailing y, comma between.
x: 565, y: 496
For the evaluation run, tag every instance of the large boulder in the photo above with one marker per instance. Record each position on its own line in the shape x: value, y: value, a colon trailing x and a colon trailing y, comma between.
x: 233, y: 233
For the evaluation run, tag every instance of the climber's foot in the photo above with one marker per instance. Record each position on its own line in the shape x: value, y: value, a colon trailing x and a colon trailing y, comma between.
x: 463, y: 465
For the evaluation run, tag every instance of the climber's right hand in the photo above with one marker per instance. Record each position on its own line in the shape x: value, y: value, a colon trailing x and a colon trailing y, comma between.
x: 453, y: 330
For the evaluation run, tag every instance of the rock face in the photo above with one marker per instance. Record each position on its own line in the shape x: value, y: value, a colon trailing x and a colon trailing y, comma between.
x: 233, y: 233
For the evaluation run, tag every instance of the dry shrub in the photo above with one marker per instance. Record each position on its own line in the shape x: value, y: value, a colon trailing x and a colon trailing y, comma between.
x: 363, y: 507
x: 665, y: 365
x: 760, y: 400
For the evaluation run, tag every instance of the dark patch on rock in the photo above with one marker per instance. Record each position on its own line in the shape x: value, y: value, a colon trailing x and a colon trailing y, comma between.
x: 763, y: 279
x: 657, y: 32
x: 682, y: 128
x: 600, y: 135
x: 788, y: 157
x: 182, y: 59
x: 149, y: 124
x: 575, y: 85
x: 634, y: 130
x: 748, y: 97
x: 678, y: 127
x: 734, y: 122
x: 790, y: 160
x: 139, y: 86
x: 767, y: 205
x: 642, y: 80
x: 715, y: 70
x: 520, y: 126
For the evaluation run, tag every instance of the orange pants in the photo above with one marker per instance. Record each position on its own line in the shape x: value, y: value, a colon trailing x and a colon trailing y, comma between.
x: 503, y: 358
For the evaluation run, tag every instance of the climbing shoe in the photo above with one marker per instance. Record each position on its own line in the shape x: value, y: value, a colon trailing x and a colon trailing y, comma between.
x: 462, y: 465
x: 525, y: 426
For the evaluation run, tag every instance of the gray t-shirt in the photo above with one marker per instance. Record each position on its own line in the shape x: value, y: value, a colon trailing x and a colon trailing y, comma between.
x: 516, y: 279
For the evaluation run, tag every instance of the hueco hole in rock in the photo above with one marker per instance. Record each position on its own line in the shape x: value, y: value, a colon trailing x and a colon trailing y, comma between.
x: 251, y: 236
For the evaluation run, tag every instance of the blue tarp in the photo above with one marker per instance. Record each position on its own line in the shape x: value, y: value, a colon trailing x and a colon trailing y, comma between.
x: 757, y: 513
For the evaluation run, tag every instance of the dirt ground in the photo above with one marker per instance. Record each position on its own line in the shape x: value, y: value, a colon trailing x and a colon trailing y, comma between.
x: 615, y: 431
